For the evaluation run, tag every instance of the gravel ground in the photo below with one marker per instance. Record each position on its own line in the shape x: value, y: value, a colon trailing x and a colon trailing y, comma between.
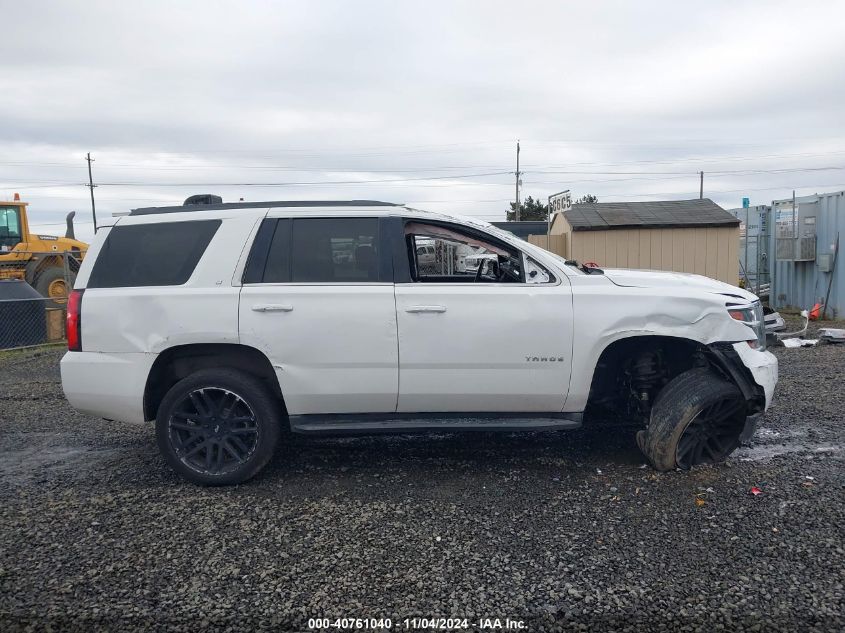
x: 560, y: 531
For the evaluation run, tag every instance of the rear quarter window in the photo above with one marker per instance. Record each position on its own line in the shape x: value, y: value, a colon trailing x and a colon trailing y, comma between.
x: 160, y: 254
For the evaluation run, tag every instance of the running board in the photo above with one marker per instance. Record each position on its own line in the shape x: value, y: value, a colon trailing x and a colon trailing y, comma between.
x: 424, y: 422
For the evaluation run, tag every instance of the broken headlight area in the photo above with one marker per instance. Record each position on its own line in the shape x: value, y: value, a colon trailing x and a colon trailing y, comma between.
x: 752, y: 316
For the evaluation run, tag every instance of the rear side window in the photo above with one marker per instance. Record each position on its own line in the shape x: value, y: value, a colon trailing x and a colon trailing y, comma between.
x: 161, y: 254
x: 334, y: 250
x: 316, y: 250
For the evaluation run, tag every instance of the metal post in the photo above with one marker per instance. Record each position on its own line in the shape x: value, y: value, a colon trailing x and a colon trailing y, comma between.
x: 746, y: 240
x: 701, y: 186
x: 759, y: 251
x: 517, y: 181
x: 91, y: 186
x: 832, y: 273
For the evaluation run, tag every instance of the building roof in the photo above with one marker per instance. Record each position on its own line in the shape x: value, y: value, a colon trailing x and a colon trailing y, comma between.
x: 524, y: 229
x: 664, y: 214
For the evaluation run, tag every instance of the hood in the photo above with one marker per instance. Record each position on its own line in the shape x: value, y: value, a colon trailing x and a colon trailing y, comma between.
x: 665, y: 279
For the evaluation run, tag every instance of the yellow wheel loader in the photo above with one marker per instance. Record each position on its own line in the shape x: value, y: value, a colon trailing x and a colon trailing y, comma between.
x: 47, y: 263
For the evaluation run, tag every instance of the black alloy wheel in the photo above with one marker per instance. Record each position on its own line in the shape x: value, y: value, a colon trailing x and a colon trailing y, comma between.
x: 213, y: 431
x: 697, y: 418
x: 712, y: 435
x: 219, y: 426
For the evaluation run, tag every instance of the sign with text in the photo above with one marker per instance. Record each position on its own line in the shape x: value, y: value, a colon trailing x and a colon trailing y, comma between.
x: 560, y: 202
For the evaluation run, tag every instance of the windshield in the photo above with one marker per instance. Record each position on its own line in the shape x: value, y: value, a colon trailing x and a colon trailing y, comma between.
x: 10, y: 228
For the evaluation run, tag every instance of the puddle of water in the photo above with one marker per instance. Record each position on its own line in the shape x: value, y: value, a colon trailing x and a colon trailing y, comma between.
x: 757, y: 453
x: 40, y: 460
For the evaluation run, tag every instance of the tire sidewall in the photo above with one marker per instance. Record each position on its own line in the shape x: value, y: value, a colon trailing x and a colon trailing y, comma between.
x: 677, y: 405
x: 46, y: 277
x: 253, y: 393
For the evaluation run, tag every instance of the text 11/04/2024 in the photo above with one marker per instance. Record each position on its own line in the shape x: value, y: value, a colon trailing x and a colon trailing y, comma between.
x: 414, y: 624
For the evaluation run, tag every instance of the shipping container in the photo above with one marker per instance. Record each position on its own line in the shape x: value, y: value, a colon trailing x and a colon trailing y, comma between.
x: 802, y: 240
x: 754, y: 246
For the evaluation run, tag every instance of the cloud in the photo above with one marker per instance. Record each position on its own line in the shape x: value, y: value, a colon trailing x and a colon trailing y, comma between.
x: 205, y: 93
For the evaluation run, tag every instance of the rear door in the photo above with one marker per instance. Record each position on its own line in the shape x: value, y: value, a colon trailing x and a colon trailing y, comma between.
x: 497, y: 341
x: 318, y: 300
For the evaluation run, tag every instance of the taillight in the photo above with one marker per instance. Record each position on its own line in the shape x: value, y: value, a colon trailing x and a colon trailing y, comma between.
x: 74, y: 321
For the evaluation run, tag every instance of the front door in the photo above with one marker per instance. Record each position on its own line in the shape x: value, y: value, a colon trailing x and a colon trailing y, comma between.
x: 320, y: 305
x: 482, y: 327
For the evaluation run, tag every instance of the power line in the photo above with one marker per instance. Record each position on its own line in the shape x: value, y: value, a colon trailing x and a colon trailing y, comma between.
x: 712, y: 191
x: 684, y: 159
x: 312, y: 182
x: 532, y: 170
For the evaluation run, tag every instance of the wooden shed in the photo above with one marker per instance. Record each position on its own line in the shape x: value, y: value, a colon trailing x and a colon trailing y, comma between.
x: 693, y: 236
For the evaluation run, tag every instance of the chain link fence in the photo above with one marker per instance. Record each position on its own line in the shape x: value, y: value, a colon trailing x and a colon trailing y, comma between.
x: 33, y: 297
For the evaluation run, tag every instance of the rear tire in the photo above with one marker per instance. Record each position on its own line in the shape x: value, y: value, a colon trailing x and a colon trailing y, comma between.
x: 218, y: 427
x: 696, y: 419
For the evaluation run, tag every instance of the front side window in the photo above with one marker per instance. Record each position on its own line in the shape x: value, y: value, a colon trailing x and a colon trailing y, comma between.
x: 10, y: 230
x: 443, y: 253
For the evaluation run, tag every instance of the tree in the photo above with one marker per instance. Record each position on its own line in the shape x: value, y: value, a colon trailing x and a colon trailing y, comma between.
x: 530, y: 209
x: 589, y: 198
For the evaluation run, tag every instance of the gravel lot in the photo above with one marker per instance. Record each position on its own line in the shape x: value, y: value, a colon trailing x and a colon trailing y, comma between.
x: 562, y: 531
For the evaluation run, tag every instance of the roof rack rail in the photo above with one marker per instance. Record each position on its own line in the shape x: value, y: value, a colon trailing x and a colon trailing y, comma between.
x: 262, y: 205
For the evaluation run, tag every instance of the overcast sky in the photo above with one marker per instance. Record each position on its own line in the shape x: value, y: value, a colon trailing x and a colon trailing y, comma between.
x: 418, y: 102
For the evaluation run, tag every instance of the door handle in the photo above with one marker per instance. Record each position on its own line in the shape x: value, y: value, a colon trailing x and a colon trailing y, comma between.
x: 417, y: 309
x: 271, y: 307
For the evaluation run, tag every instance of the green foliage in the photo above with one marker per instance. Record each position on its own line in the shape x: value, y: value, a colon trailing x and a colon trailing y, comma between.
x: 530, y: 209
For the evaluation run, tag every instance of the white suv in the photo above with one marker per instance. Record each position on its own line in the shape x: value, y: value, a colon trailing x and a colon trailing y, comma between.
x: 233, y: 324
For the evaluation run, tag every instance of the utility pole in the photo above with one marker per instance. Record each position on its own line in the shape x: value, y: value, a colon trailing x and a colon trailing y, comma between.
x: 701, y: 186
x: 517, y: 181
x: 91, y: 186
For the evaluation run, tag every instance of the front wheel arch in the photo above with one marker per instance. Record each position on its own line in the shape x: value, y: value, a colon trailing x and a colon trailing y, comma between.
x: 681, y: 355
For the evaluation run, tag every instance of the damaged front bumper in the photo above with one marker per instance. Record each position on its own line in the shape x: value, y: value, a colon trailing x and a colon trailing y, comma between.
x: 763, y: 367
x: 755, y: 372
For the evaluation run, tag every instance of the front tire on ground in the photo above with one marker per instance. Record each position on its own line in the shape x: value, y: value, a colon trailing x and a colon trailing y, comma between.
x: 218, y: 427
x: 696, y: 419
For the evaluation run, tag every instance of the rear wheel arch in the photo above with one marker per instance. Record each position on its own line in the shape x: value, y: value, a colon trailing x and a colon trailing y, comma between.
x: 178, y: 362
